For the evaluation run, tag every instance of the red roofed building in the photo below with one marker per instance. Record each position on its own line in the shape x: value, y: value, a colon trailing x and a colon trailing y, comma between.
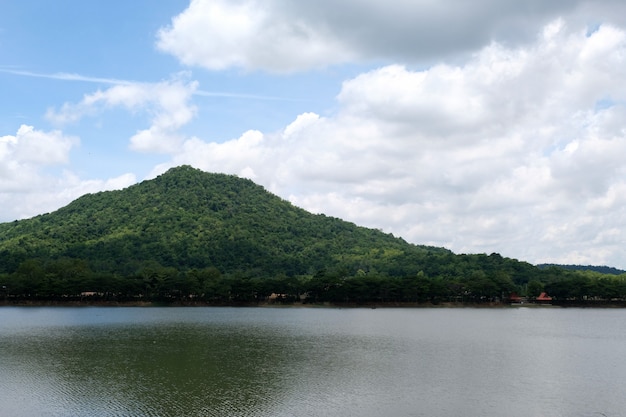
x: 543, y: 298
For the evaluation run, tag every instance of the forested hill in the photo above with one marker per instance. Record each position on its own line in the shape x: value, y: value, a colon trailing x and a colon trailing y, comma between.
x: 603, y: 269
x: 191, y: 236
x: 187, y: 218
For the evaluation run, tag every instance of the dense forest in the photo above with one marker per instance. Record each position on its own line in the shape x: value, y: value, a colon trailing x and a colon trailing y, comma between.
x: 602, y: 269
x: 193, y: 237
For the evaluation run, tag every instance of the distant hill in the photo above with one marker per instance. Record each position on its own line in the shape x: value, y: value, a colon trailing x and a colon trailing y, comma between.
x: 191, y: 236
x: 187, y: 218
x: 601, y: 269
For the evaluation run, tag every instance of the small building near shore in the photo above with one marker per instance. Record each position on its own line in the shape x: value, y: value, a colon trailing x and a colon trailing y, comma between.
x: 543, y: 298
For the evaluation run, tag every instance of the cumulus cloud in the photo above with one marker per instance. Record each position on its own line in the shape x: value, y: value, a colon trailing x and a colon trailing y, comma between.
x: 23, y: 155
x: 218, y: 34
x: 167, y: 103
x: 27, y: 188
x: 518, y: 150
x: 290, y: 35
x: 30, y: 146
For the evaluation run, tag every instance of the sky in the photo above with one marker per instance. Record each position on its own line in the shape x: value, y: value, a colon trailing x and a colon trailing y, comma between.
x: 481, y: 127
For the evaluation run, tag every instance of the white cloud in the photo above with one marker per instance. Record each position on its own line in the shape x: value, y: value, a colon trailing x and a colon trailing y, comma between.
x: 27, y: 187
x: 167, y: 103
x: 291, y: 35
x: 519, y: 150
x: 23, y: 155
x: 63, y: 76
x: 30, y: 146
x: 218, y: 34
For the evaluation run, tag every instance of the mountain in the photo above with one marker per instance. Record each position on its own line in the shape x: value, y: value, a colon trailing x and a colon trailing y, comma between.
x: 595, y: 268
x: 192, y: 236
x: 187, y: 218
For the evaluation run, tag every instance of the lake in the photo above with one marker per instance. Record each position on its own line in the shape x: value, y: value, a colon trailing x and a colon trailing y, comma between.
x: 115, y: 361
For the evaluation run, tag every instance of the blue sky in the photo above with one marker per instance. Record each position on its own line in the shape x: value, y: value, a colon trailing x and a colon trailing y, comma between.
x: 56, y: 52
x: 492, y: 128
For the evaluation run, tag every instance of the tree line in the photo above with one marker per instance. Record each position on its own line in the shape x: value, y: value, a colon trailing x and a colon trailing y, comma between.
x: 72, y: 279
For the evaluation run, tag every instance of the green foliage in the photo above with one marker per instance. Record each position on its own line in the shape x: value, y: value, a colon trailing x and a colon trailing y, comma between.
x: 188, y: 219
x: 190, y: 235
x: 535, y: 287
x: 605, y: 270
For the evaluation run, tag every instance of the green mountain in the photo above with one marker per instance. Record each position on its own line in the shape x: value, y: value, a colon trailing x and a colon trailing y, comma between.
x: 186, y: 219
x: 188, y: 235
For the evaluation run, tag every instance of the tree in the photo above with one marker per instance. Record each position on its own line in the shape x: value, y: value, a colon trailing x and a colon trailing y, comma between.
x: 534, y: 288
x: 29, y: 278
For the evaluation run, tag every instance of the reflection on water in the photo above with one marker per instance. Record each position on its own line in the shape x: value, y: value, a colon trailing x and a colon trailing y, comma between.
x: 311, y: 362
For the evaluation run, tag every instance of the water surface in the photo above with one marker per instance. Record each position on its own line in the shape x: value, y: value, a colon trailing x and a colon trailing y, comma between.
x: 311, y: 362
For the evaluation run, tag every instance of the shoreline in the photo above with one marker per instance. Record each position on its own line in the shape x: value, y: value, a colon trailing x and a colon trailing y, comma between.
x: 188, y: 303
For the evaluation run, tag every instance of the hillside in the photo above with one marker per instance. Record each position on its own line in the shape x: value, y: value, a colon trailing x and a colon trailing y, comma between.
x: 220, y: 239
x: 187, y: 219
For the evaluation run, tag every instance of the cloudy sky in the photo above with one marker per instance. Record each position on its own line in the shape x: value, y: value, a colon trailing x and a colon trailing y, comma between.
x: 484, y: 126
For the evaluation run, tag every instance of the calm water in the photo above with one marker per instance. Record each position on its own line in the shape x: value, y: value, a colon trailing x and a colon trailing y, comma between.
x: 312, y: 362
